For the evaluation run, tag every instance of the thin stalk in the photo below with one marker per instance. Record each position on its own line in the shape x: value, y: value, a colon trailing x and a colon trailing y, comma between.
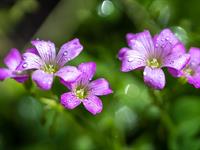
x: 164, y: 116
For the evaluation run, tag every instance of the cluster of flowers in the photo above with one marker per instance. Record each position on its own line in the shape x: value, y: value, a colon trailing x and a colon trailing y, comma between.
x: 44, y: 65
x: 144, y: 52
x: 163, y: 50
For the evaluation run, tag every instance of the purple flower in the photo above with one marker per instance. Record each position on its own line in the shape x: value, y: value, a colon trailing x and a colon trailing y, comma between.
x: 43, y: 59
x: 84, y: 91
x: 152, y: 55
x: 12, y: 61
x: 192, y: 70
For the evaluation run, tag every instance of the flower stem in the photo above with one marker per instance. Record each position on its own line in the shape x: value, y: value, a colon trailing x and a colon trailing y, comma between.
x: 164, y: 116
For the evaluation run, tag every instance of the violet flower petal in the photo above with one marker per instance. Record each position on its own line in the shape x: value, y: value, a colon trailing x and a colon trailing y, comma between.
x: 155, y: 37
x: 68, y: 73
x: 5, y: 73
x: 30, y: 61
x: 46, y: 50
x: 69, y: 85
x: 132, y: 60
x: 165, y: 42
x: 154, y: 77
x: 100, y: 87
x: 175, y: 73
x: 179, y: 48
x: 20, y: 78
x: 69, y: 100
x: 122, y: 52
x: 142, y: 42
x: 42, y: 79
x: 93, y: 104
x: 69, y: 51
x: 13, y: 59
x: 195, y: 55
x: 129, y: 38
x: 194, y: 80
x: 176, y: 61
x: 88, y: 70
x: 32, y: 50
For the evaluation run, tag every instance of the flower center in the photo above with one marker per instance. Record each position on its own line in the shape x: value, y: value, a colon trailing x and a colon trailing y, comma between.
x: 81, y: 92
x: 50, y: 68
x: 188, y: 71
x: 153, y: 63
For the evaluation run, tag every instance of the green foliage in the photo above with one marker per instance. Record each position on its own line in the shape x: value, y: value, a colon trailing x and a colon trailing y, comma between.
x: 133, y: 117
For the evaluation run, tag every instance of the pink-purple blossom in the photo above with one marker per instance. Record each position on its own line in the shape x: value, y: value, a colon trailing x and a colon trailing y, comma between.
x: 192, y: 70
x: 152, y: 54
x: 47, y: 64
x: 12, y: 61
x: 85, y: 91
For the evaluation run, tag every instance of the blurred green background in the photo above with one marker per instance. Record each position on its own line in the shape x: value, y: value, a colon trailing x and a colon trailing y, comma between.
x: 31, y: 119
